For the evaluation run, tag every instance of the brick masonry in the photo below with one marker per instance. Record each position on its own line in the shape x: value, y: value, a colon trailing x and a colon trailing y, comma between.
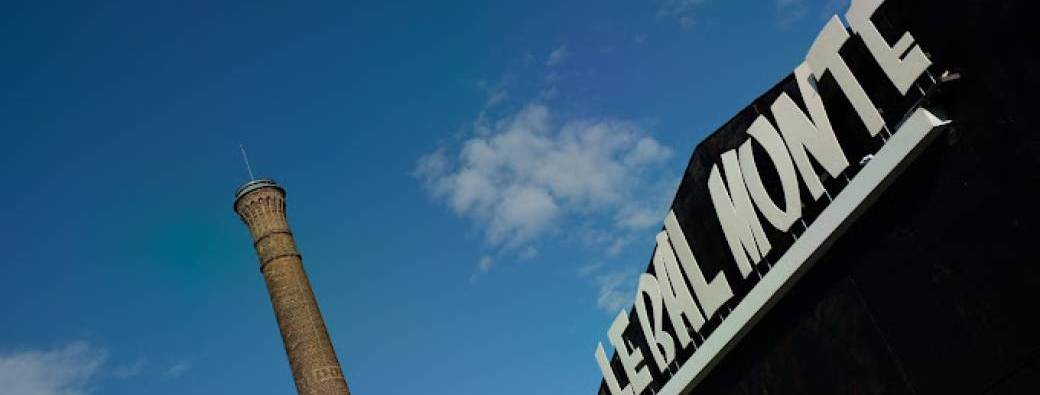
x: 312, y: 359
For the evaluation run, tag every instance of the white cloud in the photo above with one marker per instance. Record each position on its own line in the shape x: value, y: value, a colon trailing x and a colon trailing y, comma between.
x: 496, y: 93
x: 528, y: 58
x: 495, y: 97
x: 617, y: 245
x: 686, y: 21
x: 524, y: 173
x: 789, y: 11
x: 432, y: 166
x: 123, y: 372
x: 528, y: 253
x: 176, y: 370
x: 615, y: 290
x: 557, y: 56
x: 589, y: 269
x: 522, y: 212
x: 647, y: 151
x: 61, y: 371
x: 637, y: 218
x: 676, y: 7
x: 681, y: 10
x: 485, y: 263
x: 531, y: 171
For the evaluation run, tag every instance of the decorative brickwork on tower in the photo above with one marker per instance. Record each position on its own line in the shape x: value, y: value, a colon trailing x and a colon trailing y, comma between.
x: 315, y: 368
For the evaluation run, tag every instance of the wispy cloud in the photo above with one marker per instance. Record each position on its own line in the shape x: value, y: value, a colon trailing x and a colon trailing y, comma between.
x: 496, y: 93
x: 528, y: 58
x: 557, y: 56
x: 681, y: 10
x: 615, y: 290
x: 67, y: 370
x: 639, y: 38
x: 614, y: 287
x: 589, y: 269
x: 532, y: 170
x: 485, y: 264
x: 528, y: 171
x: 495, y: 97
x: 123, y: 372
x: 176, y: 370
x: 789, y: 11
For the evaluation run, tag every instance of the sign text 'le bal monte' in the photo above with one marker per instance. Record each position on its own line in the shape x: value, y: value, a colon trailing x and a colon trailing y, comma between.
x: 803, y: 165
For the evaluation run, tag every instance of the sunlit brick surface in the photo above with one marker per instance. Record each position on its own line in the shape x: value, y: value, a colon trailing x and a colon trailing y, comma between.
x: 311, y: 356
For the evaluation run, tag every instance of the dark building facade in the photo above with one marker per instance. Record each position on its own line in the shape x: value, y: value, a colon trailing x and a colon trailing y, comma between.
x: 935, y: 287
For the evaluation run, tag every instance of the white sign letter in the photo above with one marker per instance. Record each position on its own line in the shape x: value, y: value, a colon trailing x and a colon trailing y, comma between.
x: 763, y: 132
x: 608, y: 373
x: 733, y: 207
x: 677, y: 298
x: 710, y: 295
x: 803, y: 136
x: 902, y: 70
x: 824, y: 56
x: 659, y: 340
x: 630, y: 357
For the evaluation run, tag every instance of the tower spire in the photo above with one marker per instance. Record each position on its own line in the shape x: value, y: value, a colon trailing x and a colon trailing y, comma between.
x: 245, y: 158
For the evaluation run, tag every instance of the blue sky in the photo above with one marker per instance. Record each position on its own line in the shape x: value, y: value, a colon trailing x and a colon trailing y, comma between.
x: 474, y: 186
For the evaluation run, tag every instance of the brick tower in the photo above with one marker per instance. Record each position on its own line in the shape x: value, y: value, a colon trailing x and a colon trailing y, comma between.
x: 261, y: 204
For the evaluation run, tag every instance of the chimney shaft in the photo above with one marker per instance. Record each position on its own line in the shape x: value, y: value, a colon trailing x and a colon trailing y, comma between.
x: 315, y: 368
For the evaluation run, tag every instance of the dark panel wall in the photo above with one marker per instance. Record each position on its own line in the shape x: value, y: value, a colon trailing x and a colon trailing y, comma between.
x: 935, y: 289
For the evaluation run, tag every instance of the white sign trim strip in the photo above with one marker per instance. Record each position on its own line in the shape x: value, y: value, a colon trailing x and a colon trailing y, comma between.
x: 886, y: 165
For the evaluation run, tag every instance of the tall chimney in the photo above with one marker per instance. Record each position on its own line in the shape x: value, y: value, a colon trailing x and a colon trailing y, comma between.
x: 315, y: 368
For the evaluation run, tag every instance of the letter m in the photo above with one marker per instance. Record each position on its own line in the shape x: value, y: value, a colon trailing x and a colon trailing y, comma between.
x: 747, y: 241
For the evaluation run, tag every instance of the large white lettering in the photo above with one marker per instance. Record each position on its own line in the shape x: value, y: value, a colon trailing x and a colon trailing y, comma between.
x: 902, y: 64
x: 737, y: 216
x: 766, y: 136
x: 631, y: 357
x: 815, y: 137
x: 711, y: 295
x: 608, y: 373
x: 677, y: 299
x: 798, y: 144
x: 662, y: 348
x: 823, y: 57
